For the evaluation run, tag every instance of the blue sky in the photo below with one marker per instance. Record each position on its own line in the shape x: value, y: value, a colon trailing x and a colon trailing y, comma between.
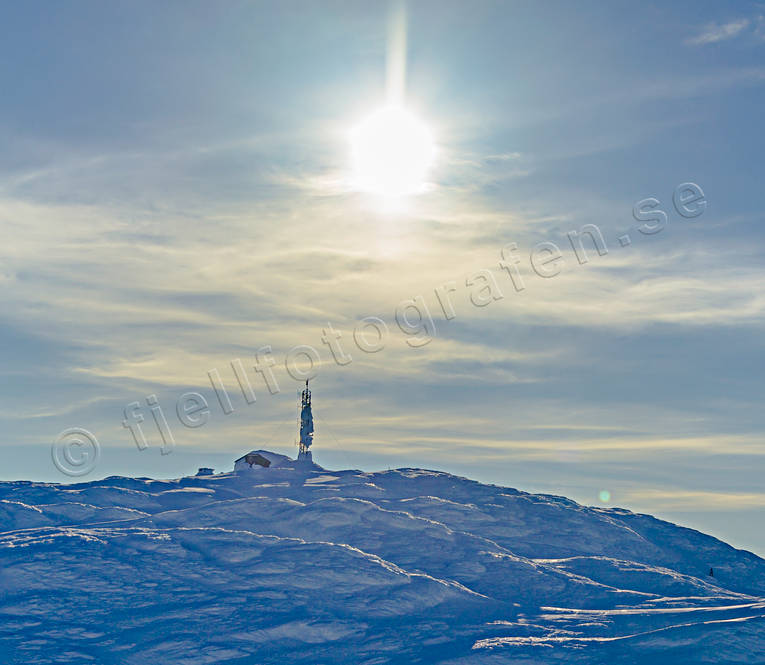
x: 172, y: 199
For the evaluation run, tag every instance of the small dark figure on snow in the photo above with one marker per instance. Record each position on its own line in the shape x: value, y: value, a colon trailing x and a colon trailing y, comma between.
x: 711, y: 572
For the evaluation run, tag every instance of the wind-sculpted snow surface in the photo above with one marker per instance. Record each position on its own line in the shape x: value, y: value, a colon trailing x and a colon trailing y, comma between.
x: 289, y: 565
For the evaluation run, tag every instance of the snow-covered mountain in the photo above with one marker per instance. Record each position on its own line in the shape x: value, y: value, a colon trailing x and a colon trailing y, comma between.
x: 290, y: 564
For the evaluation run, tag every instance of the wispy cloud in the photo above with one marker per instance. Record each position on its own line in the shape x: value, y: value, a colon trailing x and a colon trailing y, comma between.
x: 674, y: 499
x: 714, y: 32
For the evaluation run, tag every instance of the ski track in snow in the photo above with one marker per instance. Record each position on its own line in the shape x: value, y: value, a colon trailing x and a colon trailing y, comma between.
x: 291, y: 565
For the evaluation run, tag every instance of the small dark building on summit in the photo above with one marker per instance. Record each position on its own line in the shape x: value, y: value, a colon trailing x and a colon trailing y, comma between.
x: 254, y: 458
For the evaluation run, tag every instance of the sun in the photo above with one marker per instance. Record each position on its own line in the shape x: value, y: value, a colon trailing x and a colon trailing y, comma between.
x: 391, y: 153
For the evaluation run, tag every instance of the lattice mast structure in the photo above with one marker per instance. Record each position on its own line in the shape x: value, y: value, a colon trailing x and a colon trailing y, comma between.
x: 306, y: 425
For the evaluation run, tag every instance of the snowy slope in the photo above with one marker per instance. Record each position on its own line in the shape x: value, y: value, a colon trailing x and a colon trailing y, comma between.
x: 290, y: 565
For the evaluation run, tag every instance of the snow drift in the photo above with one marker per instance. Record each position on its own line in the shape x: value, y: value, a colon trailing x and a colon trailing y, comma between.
x: 303, y: 565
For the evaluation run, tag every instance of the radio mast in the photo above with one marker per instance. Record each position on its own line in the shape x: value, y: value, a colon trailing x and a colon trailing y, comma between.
x: 306, y: 426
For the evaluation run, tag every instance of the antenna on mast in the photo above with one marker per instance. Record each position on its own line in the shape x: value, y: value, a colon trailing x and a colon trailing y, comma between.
x: 306, y: 425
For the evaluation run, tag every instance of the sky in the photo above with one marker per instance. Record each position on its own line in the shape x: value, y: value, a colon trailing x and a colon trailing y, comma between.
x: 175, y: 197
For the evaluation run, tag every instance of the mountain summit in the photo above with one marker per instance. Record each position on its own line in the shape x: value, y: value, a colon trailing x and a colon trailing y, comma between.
x: 292, y: 563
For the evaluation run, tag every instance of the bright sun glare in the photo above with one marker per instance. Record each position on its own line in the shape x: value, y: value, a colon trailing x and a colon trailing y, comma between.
x: 391, y: 153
